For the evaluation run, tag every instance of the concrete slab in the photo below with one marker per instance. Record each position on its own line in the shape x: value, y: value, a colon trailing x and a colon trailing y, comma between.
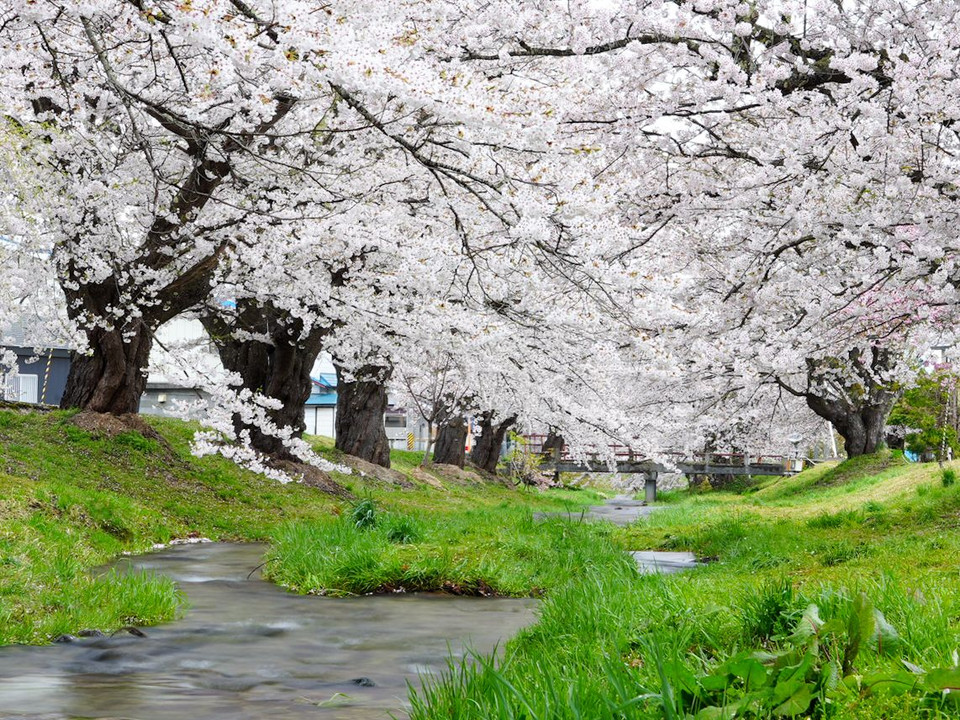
x: 656, y: 561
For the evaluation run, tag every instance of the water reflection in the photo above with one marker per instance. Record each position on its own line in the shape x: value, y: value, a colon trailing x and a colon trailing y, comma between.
x: 247, y: 649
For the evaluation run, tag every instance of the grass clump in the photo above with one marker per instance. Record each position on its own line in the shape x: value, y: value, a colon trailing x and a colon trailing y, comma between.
x: 496, y: 551
x: 363, y: 514
x: 767, y: 611
x: 948, y: 477
x: 403, y: 529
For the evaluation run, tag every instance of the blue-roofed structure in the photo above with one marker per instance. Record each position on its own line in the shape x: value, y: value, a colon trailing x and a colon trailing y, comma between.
x: 324, y: 390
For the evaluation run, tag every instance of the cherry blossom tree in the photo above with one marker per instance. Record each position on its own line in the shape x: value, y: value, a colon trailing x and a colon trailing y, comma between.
x: 645, y: 215
x: 150, y: 139
x: 793, y: 164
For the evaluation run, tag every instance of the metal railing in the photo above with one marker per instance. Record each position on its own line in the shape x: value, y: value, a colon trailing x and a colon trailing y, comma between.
x: 623, y: 453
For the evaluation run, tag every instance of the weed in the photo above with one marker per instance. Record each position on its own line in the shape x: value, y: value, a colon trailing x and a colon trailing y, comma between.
x: 364, y: 514
x: 402, y: 529
x: 835, y: 520
x: 767, y: 612
x: 948, y: 476
x: 839, y: 552
x: 135, y: 440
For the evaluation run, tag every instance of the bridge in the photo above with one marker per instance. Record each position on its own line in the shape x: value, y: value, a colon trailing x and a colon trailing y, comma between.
x: 628, y: 461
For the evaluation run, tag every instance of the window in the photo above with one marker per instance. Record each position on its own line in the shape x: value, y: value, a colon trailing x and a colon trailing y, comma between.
x: 395, y: 421
x: 20, y: 388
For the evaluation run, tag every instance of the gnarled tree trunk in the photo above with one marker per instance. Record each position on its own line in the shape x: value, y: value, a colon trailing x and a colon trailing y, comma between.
x: 859, y: 405
x: 451, y: 442
x: 276, y: 364
x: 486, y: 452
x: 113, y: 377
x: 361, y: 404
x: 861, y: 425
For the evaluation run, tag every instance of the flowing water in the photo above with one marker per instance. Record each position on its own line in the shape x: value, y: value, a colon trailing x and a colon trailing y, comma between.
x: 248, y: 650
x: 625, y: 511
x: 619, y: 510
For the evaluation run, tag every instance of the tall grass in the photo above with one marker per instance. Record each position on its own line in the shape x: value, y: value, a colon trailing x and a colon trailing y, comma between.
x: 500, y: 550
x: 71, y: 500
x: 612, y: 644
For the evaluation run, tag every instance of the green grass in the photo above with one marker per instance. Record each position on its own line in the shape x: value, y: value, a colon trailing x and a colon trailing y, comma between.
x: 71, y: 501
x: 869, y: 548
x: 612, y: 644
x: 499, y: 549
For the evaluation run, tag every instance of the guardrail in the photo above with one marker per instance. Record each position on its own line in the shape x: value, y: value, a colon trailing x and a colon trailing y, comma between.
x: 690, y: 463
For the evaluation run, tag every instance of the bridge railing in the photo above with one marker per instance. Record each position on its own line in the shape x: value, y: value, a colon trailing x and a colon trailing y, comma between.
x: 624, y: 453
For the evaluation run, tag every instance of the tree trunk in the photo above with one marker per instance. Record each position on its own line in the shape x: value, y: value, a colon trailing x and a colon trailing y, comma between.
x: 276, y: 364
x: 361, y: 404
x: 486, y: 451
x: 861, y: 427
x: 113, y: 376
x: 452, y: 442
x: 858, y: 409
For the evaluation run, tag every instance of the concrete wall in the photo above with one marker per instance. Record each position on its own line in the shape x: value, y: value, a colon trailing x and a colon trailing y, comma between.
x: 320, y: 420
x: 165, y: 401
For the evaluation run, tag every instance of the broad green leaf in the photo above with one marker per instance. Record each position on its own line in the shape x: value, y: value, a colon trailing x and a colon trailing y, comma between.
x: 830, y: 675
x: 718, y: 682
x: 834, y: 626
x: 860, y: 630
x: 798, y: 671
x: 885, y: 636
x: 798, y: 703
x: 943, y: 679
x: 751, y: 672
x: 787, y: 689
x: 756, y: 703
x: 896, y: 682
x: 808, y: 626
x: 716, y: 713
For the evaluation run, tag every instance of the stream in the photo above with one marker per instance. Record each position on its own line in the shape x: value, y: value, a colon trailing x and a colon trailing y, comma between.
x: 246, y: 649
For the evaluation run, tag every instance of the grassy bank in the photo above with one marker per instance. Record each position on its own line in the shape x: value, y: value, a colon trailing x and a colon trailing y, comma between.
x: 831, y: 594
x: 73, y: 499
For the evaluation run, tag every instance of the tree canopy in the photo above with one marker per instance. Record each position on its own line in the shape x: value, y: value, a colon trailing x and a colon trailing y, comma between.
x: 654, y: 222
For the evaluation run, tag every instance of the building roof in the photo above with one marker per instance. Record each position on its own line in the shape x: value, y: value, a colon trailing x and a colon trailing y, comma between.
x: 324, y: 391
x: 18, y: 334
x: 327, y: 380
